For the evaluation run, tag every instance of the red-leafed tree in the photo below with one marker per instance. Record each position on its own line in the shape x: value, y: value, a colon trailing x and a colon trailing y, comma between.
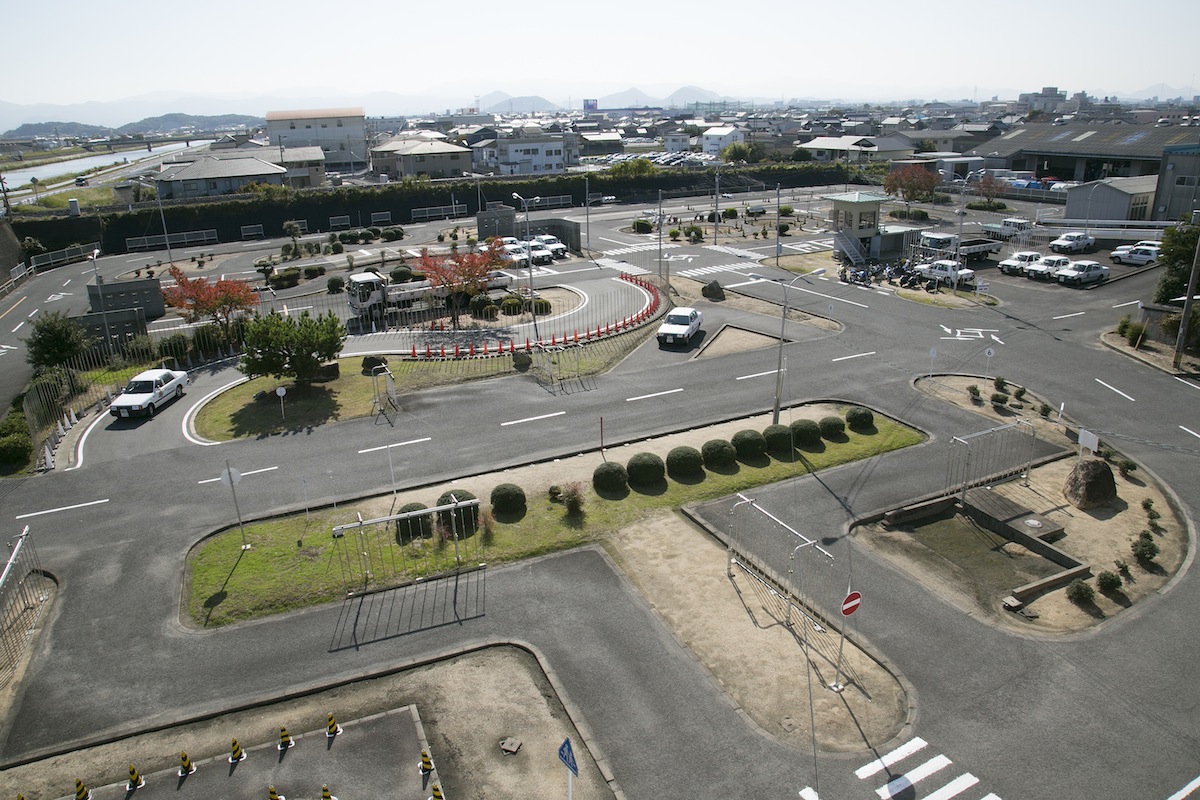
x: 462, y: 274
x: 911, y: 182
x: 221, y: 302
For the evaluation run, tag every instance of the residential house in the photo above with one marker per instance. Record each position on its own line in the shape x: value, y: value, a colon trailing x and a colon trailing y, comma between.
x: 341, y: 133
x: 415, y: 156
x: 210, y: 176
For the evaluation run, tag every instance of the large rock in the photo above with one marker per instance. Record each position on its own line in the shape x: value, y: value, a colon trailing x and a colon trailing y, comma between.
x: 713, y: 291
x: 1090, y: 484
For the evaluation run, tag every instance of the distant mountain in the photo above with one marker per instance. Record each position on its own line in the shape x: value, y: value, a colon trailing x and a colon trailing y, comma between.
x: 686, y: 95
x: 1162, y: 92
x: 49, y: 129
x: 630, y: 98
x: 174, y: 122
x: 520, y: 105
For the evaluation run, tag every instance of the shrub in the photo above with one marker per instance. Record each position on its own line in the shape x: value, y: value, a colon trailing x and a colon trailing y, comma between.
x: 311, y: 272
x: 859, y: 418
x: 685, y: 461
x: 401, y: 274
x: 674, y: 233
x: 14, y: 422
x: 337, y: 248
x: 778, y: 438
x: 1045, y: 409
x: 832, y: 427
x: 540, y: 305
x: 805, y: 432
x: 489, y: 312
x: 15, y: 448
x: 1123, y: 325
x: 508, y: 498
x: 285, y: 278
x: 511, y: 306
x: 1125, y: 466
x: 369, y: 363
x: 554, y: 493
x: 999, y: 399
x: 466, y: 520
x: 729, y: 213
x: 642, y: 226
x: 414, y: 527
x: 480, y: 302
x: 1147, y: 502
x: 645, y: 469
x: 335, y: 285
x: 784, y: 228
x: 521, y: 359
x: 1080, y: 592
x: 610, y: 477
x: 786, y: 211
x: 1133, y: 334
x: 1108, y: 581
x: 749, y: 444
x: 572, y: 497
x: 912, y: 213
x: 1144, y: 548
x: 1000, y: 384
x: 718, y: 453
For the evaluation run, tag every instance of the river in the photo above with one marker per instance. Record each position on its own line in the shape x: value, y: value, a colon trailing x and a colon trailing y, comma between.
x: 49, y: 173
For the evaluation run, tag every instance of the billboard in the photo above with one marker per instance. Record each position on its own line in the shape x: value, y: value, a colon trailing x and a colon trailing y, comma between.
x: 591, y: 105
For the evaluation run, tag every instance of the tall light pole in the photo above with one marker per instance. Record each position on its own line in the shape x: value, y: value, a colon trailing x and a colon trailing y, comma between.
x: 529, y: 263
x: 162, y: 218
x: 716, y: 202
x: 962, y: 209
x: 1087, y: 220
x: 100, y: 297
x: 782, y: 325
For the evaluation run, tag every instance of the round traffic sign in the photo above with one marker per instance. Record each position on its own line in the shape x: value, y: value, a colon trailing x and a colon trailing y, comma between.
x: 851, y: 603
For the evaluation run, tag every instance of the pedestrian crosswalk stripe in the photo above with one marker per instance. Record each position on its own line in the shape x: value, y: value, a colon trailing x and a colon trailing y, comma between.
x: 912, y: 777
x: 733, y: 251
x: 903, y: 751
x: 638, y: 248
x: 697, y: 271
x: 621, y: 266
x: 954, y: 787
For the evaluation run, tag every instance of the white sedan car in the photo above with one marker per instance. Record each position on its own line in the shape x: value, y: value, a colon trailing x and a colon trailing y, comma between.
x: 680, y: 326
x: 149, y: 391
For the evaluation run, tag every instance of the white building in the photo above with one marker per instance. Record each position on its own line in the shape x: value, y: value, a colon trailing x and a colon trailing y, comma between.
x: 714, y: 140
x: 341, y: 133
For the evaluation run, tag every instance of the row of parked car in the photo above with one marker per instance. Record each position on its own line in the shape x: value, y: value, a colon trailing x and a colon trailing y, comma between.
x: 1036, y: 266
x: 540, y: 250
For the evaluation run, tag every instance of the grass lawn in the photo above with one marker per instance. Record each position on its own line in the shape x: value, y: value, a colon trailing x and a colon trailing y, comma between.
x: 294, y: 561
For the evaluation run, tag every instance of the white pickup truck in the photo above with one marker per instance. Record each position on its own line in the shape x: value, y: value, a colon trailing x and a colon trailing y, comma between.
x: 946, y: 270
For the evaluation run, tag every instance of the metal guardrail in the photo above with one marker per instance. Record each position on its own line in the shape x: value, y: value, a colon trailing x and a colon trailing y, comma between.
x: 68, y: 255
x: 439, y: 212
x: 158, y: 241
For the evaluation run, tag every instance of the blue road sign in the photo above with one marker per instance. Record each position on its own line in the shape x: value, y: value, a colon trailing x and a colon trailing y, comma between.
x: 567, y: 756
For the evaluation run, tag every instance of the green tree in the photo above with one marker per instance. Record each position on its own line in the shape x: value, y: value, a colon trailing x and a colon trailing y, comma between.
x: 738, y: 151
x: 291, y: 347
x: 291, y: 228
x: 1178, y: 250
x: 54, y: 340
x: 800, y: 154
x: 632, y: 169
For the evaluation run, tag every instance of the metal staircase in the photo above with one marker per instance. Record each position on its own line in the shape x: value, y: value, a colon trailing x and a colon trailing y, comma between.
x: 850, y: 248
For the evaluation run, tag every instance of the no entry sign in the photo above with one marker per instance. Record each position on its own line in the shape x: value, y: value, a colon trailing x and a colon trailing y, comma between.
x: 851, y: 603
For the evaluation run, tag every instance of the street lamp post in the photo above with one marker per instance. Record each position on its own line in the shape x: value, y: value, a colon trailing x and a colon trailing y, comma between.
x: 1087, y: 220
x: 962, y: 209
x: 100, y: 298
x: 162, y: 218
x: 529, y: 262
x: 782, y: 325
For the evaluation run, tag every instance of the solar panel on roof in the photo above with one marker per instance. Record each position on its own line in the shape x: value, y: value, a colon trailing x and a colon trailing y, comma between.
x: 1134, y: 137
x: 1061, y: 135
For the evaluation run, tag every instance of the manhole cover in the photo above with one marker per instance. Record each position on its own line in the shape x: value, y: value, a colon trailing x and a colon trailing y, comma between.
x: 1033, y: 523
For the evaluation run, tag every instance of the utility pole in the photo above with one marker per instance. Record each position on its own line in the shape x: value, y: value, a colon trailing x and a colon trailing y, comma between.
x: 1181, y: 339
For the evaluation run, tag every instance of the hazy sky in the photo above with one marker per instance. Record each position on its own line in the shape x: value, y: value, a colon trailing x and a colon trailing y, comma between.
x: 72, y: 51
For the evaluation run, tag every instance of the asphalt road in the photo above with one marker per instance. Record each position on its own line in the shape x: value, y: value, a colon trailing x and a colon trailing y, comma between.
x: 1101, y: 714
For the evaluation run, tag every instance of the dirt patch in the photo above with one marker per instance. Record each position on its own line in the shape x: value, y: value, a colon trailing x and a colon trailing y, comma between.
x: 1099, y: 537
x: 736, y: 340
x: 1156, y: 354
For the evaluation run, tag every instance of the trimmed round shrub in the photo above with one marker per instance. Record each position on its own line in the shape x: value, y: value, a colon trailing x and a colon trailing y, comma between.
x: 642, y: 226
x: 645, y: 469
x: 685, y: 460
x: 610, y: 477
x: 1080, y: 592
x: 718, y: 453
x: 1108, y: 581
x: 479, y: 302
x: 859, y: 418
x: 466, y: 519
x: 15, y: 448
x: 511, y: 306
x: 413, y: 527
x: 749, y: 444
x: 832, y: 427
x: 778, y: 438
x: 508, y: 498
x: 335, y: 285
x: 805, y: 432
x: 1145, y: 549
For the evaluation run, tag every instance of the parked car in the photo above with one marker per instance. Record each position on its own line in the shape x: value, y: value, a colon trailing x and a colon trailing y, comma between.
x: 81, y: 181
x: 148, y: 391
x: 514, y: 254
x: 1046, y: 268
x: 538, y: 252
x: 1081, y: 272
x: 1017, y: 262
x: 1073, y: 242
x: 1125, y: 248
x: 680, y: 326
x: 1138, y: 256
x: 556, y: 248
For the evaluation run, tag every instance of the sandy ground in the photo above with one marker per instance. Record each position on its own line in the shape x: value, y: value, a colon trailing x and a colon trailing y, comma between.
x: 471, y: 702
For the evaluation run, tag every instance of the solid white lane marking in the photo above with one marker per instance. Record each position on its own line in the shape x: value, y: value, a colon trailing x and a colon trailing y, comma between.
x: 68, y: 280
x: 1185, y: 383
x: 195, y: 409
x: 1130, y: 303
x: 886, y: 760
x: 913, y: 777
x: 244, y: 474
x: 1113, y: 388
x: 532, y: 419
x: 1189, y: 430
x: 396, y: 444
x: 954, y: 787
x: 22, y: 322
x: 757, y: 375
x: 1065, y: 316
x: 60, y: 508
x: 856, y: 355
x: 747, y: 283
x: 82, y: 439
x: 648, y: 396
x: 807, y: 793
x: 1184, y: 792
